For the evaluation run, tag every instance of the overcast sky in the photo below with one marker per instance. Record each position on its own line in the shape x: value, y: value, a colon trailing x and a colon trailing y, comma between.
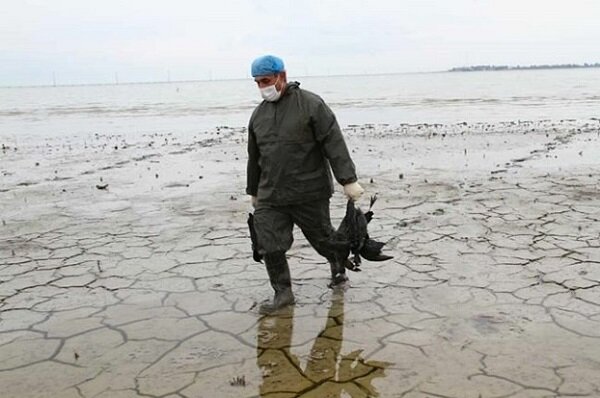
x: 81, y: 41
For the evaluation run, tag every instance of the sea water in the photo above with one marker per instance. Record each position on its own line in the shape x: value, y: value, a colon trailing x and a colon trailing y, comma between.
x: 194, y: 107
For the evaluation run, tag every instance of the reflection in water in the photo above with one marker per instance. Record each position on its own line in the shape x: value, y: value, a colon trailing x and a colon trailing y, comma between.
x: 328, y: 373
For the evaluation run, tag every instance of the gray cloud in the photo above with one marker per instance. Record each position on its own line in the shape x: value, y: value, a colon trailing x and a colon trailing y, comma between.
x: 142, y: 40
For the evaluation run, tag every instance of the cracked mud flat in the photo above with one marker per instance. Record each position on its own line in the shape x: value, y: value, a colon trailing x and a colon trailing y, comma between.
x: 147, y: 287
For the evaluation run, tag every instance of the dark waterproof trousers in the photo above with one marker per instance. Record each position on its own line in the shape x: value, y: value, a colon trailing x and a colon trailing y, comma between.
x: 274, y: 226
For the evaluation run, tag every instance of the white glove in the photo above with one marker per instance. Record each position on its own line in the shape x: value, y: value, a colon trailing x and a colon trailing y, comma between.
x: 353, y: 191
x: 253, y: 200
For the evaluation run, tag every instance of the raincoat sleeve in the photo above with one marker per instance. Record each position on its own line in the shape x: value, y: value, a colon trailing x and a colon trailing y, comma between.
x: 253, y: 169
x: 329, y: 135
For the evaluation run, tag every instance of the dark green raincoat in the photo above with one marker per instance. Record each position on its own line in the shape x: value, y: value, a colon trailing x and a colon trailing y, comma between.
x: 291, y: 145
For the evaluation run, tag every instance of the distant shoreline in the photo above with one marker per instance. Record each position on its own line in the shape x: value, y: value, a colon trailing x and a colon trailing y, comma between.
x: 480, y: 68
x: 473, y: 68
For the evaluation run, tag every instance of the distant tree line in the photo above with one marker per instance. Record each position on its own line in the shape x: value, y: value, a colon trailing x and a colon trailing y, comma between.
x: 477, y: 68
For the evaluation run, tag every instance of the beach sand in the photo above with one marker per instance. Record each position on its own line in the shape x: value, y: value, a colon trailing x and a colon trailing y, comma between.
x: 126, y: 269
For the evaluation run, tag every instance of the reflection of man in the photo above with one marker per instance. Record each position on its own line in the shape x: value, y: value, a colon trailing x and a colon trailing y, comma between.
x: 327, y: 373
x: 294, y: 142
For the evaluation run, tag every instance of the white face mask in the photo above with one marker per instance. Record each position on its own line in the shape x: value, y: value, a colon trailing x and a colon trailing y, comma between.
x: 270, y: 93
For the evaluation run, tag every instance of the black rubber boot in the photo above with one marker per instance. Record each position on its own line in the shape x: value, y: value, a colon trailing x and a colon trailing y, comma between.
x: 279, y: 276
x: 338, y: 274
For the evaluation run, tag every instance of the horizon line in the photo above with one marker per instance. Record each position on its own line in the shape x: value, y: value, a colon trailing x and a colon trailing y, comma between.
x: 131, y: 83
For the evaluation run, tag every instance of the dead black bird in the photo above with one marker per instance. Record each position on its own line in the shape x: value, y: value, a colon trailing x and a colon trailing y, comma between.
x: 352, y: 237
x: 255, y: 254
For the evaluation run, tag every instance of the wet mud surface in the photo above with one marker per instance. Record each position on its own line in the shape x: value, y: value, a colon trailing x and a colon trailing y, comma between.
x: 126, y: 270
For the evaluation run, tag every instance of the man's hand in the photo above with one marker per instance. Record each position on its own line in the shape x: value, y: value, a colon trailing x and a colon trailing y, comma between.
x: 253, y: 201
x: 353, y: 191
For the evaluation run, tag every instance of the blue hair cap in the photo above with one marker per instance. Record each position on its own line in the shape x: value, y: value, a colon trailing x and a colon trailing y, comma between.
x: 267, y: 65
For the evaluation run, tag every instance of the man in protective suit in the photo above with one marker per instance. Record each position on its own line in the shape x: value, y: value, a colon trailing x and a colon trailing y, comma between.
x: 294, y: 142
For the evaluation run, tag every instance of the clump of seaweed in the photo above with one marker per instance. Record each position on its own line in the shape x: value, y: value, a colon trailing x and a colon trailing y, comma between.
x: 238, y: 381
